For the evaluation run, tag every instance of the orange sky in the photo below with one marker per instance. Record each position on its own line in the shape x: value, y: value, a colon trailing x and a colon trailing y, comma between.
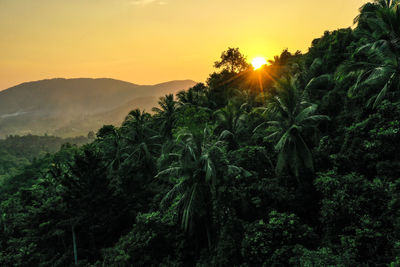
x: 152, y: 41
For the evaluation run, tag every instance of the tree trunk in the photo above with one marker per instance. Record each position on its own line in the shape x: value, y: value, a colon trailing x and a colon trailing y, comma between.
x: 74, y: 245
x: 208, y: 237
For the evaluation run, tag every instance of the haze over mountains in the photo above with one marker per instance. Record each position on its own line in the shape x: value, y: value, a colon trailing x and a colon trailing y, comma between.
x: 72, y: 107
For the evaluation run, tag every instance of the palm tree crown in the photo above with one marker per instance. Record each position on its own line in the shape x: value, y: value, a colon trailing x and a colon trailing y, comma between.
x: 291, y: 119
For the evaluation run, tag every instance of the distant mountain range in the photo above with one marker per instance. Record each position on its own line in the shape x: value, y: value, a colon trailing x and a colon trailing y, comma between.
x: 72, y: 107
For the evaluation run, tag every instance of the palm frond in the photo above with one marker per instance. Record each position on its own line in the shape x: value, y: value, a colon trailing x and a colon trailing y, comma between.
x: 283, y: 140
x: 225, y: 135
x: 316, y: 119
x: 170, y: 171
x: 382, y: 93
x: 178, y: 189
x: 318, y: 82
x: 238, y: 171
x: 209, y: 170
x: 260, y: 126
x: 272, y: 136
x: 305, y: 113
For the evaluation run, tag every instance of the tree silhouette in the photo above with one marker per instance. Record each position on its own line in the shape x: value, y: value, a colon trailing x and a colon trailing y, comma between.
x: 232, y: 60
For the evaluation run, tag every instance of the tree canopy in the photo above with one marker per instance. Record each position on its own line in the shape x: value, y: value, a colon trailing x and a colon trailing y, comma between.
x: 296, y: 164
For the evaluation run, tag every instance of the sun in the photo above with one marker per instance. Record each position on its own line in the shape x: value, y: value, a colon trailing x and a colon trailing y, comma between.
x: 258, y: 62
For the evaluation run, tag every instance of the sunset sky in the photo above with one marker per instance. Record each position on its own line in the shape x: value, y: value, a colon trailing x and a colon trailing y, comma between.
x: 152, y: 41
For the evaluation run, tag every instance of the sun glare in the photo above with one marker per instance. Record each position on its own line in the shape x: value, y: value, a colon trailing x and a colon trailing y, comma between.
x: 258, y: 62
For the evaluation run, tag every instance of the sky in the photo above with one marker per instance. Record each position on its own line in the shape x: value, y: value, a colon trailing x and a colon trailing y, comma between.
x: 153, y: 41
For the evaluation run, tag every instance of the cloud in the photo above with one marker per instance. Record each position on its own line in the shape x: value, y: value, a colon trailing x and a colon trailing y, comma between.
x: 147, y: 2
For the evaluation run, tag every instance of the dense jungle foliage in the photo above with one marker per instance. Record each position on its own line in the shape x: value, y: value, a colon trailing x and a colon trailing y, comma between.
x: 17, y: 152
x: 294, y: 164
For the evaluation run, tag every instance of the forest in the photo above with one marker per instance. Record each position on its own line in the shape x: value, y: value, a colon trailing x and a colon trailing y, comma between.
x: 17, y: 152
x: 292, y: 164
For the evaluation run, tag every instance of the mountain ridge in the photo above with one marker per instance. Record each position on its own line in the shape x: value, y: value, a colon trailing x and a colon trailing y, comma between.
x: 47, y: 106
x: 100, y: 79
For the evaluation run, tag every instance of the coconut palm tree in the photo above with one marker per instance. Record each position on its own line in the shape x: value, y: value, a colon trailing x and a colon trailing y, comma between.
x: 283, y: 63
x: 197, y: 95
x: 291, y: 120
x: 376, y: 64
x: 166, y: 114
x: 247, y: 98
x: 370, y: 11
x: 111, y: 143
x: 195, y: 173
x: 141, y: 140
x: 380, y: 69
x: 231, y: 124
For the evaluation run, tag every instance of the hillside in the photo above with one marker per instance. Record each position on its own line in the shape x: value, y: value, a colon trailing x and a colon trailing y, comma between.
x: 300, y: 168
x: 71, y: 107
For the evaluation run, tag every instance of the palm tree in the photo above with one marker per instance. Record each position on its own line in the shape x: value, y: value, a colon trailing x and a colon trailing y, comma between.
x: 186, y: 97
x: 380, y: 69
x: 247, y: 98
x: 166, y: 114
x: 231, y: 124
x: 141, y: 140
x: 196, y: 174
x: 376, y: 64
x: 370, y: 11
x: 110, y: 140
x: 282, y: 63
x: 291, y: 119
x: 197, y: 95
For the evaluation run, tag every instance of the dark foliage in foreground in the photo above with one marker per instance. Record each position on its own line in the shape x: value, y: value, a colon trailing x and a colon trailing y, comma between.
x: 295, y: 164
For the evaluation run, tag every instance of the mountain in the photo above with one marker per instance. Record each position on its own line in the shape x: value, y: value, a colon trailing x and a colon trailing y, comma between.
x: 71, y: 107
